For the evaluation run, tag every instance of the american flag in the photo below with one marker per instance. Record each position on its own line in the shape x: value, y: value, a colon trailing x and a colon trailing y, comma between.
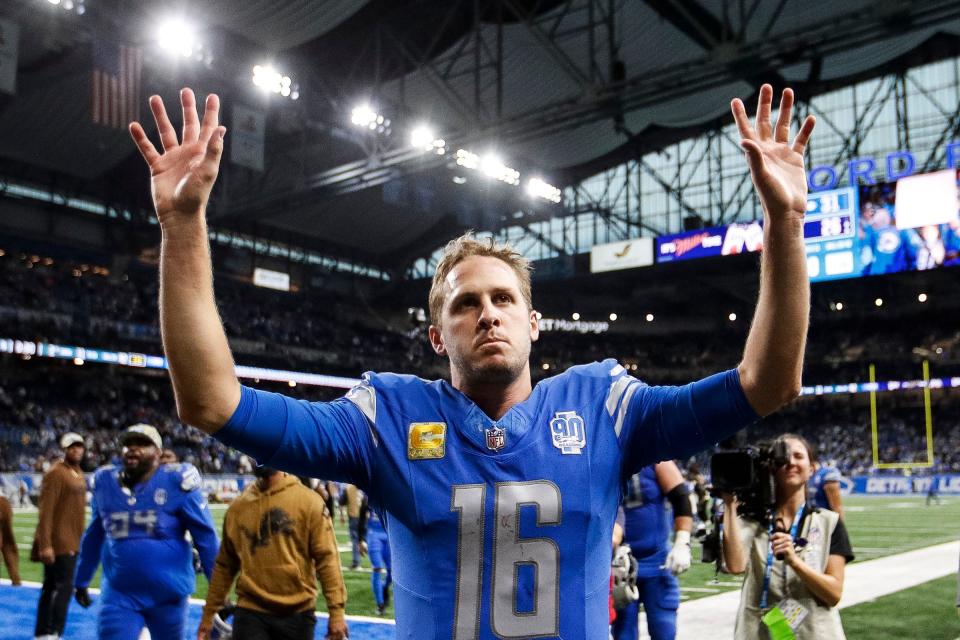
x: 115, y: 84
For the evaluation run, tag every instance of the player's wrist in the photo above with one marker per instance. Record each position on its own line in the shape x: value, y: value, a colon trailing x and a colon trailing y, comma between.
x: 681, y: 538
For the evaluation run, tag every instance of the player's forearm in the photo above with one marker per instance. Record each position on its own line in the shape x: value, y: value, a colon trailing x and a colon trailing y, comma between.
x: 833, y: 498
x: 773, y: 357
x: 683, y: 523
x: 196, y: 347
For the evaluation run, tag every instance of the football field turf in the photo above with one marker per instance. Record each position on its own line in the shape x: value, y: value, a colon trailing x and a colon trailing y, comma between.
x: 878, y: 527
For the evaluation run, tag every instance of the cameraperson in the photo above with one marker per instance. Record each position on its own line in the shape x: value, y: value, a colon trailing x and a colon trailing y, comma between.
x: 795, y: 562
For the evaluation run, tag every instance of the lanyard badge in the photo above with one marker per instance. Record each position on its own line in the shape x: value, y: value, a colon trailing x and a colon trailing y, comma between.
x: 782, y: 620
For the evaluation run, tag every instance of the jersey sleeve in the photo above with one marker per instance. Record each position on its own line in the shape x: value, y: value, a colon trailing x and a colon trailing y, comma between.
x: 831, y: 474
x: 663, y: 423
x: 196, y: 517
x: 326, y: 439
x: 90, y: 545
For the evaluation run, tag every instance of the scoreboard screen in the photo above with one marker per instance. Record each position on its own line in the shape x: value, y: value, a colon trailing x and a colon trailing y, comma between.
x: 830, y: 234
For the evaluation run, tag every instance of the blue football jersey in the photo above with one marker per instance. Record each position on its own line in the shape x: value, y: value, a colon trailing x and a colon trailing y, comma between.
x: 499, y: 528
x: 647, y: 522
x: 820, y: 477
x: 139, y: 535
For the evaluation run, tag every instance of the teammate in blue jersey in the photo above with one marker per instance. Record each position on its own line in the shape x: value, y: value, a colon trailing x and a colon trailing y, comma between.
x: 498, y: 497
x: 141, y: 514
x: 646, y: 529
x: 374, y: 536
x: 824, y: 486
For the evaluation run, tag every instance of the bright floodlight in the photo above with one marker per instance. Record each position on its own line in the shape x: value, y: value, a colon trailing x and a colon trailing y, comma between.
x: 363, y: 116
x: 268, y: 79
x: 176, y: 37
x: 422, y: 138
x: 649, y: 317
x: 492, y: 166
x: 613, y: 317
x: 732, y: 317
x: 878, y: 302
x: 922, y: 297
x: 839, y: 306
x: 575, y: 316
x: 540, y: 189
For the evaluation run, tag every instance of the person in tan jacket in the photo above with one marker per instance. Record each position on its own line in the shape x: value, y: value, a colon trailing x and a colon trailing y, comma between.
x: 279, y: 539
x: 8, y: 543
x: 63, y: 497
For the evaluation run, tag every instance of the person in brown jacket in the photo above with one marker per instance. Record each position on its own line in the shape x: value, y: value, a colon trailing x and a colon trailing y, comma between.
x: 63, y: 497
x: 8, y: 543
x: 279, y: 539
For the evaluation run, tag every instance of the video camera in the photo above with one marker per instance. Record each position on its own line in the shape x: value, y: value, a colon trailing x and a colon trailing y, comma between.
x: 750, y: 474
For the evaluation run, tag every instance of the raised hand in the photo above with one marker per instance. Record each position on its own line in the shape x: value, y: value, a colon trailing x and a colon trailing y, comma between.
x: 776, y: 166
x: 182, y: 177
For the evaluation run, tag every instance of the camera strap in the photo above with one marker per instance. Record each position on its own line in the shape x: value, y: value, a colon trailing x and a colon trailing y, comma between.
x: 794, y: 530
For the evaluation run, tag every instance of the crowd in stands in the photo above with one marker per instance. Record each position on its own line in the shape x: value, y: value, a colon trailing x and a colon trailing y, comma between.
x: 82, y: 304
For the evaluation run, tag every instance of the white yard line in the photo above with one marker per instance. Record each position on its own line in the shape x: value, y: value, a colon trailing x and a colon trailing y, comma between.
x: 714, y: 616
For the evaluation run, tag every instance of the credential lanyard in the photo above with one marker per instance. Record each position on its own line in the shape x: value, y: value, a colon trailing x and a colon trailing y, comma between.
x: 766, y: 573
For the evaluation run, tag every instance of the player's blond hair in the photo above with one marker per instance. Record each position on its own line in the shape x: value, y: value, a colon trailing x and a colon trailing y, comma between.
x: 466, y: 246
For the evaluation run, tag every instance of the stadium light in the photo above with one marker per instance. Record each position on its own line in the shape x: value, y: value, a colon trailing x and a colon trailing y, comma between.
x: 493, y: 167
x: 176, y: 37
x: 490, y: 165
x: 365, y: 116
x: 575, y: 316
x: 423, y: 138
x: 878, y: 302
x: 546, y: 366
x: 732, y: 317
x: 922, y: 297
x: 269, y: 79
x: 613, y: 317
x: 649, y: 317
x: 540, y: 189
x: 839, y: 306
x: 70, y: 5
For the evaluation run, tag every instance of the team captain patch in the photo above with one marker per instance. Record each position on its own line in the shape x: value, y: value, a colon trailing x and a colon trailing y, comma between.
x: 426, y: 440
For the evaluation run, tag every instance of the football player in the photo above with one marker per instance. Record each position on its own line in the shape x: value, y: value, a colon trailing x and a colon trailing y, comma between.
x: 647, y: 532
x: 825, y: 486
x: 498, y: 497
x: 141, y: 513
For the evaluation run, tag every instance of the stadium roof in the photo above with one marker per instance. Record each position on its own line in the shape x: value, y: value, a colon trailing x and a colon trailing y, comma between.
x: 560, y: 88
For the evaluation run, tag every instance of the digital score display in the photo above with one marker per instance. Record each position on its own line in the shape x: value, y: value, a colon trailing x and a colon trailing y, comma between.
x: 830, y: 235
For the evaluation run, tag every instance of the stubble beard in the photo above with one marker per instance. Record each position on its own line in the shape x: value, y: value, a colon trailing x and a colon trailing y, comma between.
x: 486, y: 373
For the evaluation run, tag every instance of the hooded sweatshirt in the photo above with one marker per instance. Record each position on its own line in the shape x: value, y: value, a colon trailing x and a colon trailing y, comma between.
x: 279, y: 541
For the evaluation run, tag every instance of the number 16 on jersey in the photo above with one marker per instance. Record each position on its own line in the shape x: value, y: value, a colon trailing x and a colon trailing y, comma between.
x: 510, y: 552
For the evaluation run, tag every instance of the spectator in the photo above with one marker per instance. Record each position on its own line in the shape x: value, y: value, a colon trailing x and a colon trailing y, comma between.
x: 279, y: 539
x: 63, y: 497
x: 8, y: 543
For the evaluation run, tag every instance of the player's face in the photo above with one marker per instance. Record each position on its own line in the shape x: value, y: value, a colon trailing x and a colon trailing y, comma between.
x: 139, y: 457
x: 798, y: 470
x: 74, y: 454
x: 487, y: 328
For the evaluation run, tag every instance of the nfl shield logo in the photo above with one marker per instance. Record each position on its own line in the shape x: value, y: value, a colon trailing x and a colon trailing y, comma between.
x: 496, y: 438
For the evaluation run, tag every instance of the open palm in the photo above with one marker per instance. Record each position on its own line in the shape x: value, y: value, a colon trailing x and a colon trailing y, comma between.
x: 776, y: 166
x: 182, y: 177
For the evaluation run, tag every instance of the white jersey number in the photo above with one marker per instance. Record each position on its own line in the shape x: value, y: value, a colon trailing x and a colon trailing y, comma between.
x: 510, y: 552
